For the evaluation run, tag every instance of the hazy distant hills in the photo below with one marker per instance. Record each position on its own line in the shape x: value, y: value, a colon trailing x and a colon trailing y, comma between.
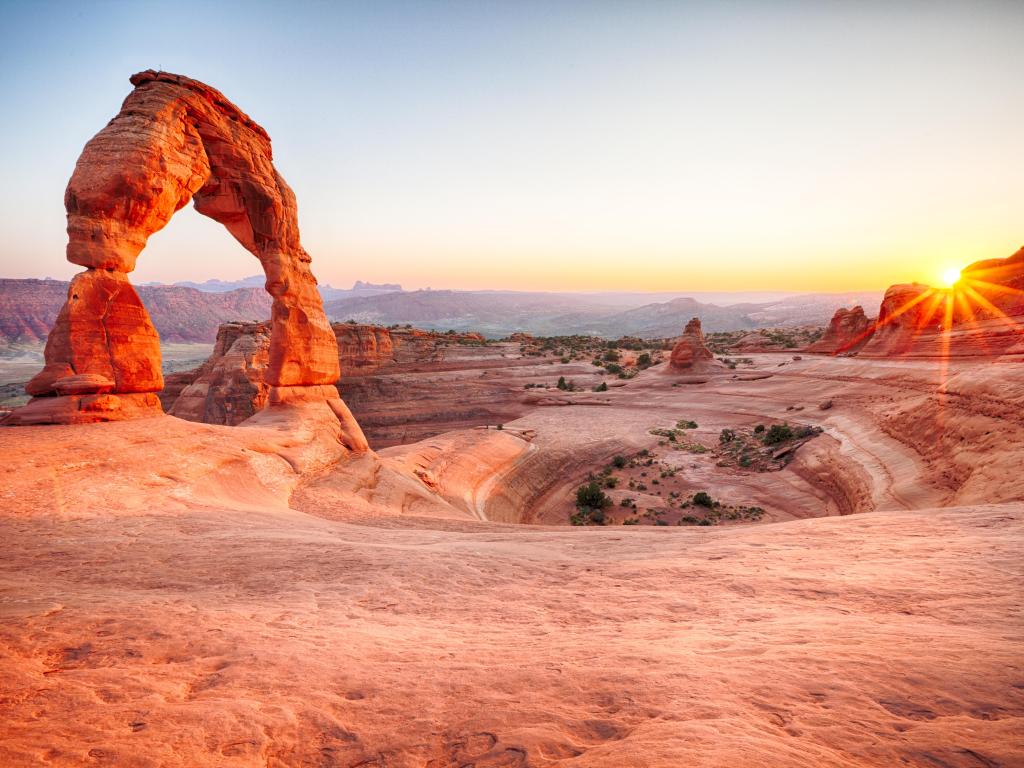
x: 28, y: 309
x: 192, y: 312
x: 328, y: 292
x: 498, y: 313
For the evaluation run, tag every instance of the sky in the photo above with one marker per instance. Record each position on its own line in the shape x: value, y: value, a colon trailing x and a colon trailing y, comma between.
x: 641, y: 146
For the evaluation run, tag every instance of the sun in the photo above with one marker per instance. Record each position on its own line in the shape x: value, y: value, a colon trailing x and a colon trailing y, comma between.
x: 950, y: 277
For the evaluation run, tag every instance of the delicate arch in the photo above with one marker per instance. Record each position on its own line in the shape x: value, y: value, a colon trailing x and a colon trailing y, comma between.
x: 175, y: 140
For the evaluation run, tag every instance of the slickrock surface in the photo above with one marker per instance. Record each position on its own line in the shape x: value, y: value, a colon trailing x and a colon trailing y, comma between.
x: 848, y: 331
x: 165, y: 601
x: 176, y: 140
x: 691, y: 351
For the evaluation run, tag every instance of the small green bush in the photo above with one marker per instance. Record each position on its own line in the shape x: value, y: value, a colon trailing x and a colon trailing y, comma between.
x: 778, y: 433
x: 702, y: 499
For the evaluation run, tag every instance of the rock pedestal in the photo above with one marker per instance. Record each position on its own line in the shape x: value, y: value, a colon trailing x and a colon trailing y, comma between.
x: 690, y: 351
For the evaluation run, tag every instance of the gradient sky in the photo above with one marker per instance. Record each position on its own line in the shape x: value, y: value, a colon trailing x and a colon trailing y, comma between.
x: 665, y: 146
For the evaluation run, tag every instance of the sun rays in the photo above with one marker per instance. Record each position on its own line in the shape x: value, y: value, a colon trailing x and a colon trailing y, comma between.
x: 970, y: 315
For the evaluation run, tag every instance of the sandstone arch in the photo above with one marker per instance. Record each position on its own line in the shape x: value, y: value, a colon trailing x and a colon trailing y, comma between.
x: 174, y: 140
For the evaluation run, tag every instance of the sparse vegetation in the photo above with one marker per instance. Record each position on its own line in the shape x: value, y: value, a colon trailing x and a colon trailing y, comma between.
x: 591, y: 502
x: 778, y: 433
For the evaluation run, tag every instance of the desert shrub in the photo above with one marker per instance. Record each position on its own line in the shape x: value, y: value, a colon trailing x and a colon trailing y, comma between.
x: 611, y: 356
x: 631, y: 521
x: 778, y: 433
x: 759, y: 429
x: 686, y: 424
x: 726, y: 436
x: 602, y: 387
x: 619, y: 461
x: 613, y: 368
x: 688, y: 520
x: 644, y: 361
x: 611, y: 482
x: 702, y: 499
x: 589, y: 496
x: 501, y: 426
x: 561, y: 383
x: 660, y: 522
x: 627, y: 502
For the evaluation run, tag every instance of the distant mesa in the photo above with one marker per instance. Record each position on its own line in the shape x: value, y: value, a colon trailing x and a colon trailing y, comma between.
x: 175, y: 140
x: 359, y: 285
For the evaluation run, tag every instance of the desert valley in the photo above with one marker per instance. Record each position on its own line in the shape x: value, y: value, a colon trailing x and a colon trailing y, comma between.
x: 269, y: 522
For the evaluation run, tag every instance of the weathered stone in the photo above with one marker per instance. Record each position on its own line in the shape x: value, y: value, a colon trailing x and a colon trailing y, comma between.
x: 83, y: 384
x: 847, y: 332
x: 690, y: 350
x: 176, y: 140
x: 102, y: 329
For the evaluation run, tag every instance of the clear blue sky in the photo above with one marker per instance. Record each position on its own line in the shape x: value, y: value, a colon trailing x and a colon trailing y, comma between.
x: 557, y: 145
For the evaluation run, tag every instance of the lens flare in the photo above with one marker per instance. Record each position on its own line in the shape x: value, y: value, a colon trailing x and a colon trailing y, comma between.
x: 950, y: 277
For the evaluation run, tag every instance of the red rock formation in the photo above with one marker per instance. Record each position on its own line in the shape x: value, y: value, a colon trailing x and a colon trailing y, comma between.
x: 362, y: 348
x: 848, y: 331
x: 231, y: 385
x: 690, y: 351
x: 907, y: 312
x: 999, y: 282
x: 102, y: 329
x: 982, y: 315
x: 176, y: 140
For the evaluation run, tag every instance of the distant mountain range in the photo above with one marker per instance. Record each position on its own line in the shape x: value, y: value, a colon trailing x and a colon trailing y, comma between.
x: 499, y: 313
x: 28, y: 309
x: 192, y: 312
x: 329, y: 293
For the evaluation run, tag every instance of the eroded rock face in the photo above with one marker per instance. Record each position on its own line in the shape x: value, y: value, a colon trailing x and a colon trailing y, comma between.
x: 231, y: 385
x: 999, y: 282
x: 690, y: 351
x: 176, y: 140
x: 908, y: 312
x: 102, y: 329
x: 362, y: 348
x: 981, y: 316
x: 847, y: 332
